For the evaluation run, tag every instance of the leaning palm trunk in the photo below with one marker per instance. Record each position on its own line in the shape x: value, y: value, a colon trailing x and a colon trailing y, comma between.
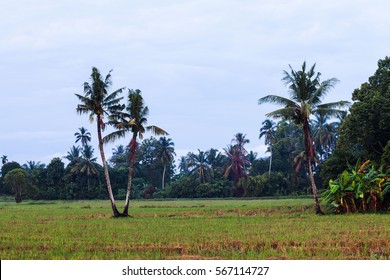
x: 133, y: 150
x: 310, y: 155
x: 109, y: 189
x: 270, y: 165
x: 163, y: 177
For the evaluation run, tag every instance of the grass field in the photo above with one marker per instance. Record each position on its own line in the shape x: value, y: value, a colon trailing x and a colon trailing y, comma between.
x: 194, y: 229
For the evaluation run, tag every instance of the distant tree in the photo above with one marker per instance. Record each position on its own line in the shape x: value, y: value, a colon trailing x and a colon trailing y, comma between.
x: 217, y: 162
x: 73, y: 155
x: 17, y: 180
x: 252, y: 159
x: 237, y: 163
x: 268, y: 132
x: 7, y: 167
x: 134, y: 120
x: 87, y: 165
x: 55, y: 172
x: 324, y: 136
x: 97, y: 102
x: 165, y: 154
x: 83, y: 136
x: 120, y: 157
x: 199, y: 166
x: 183, y: 165
x: 306, y: 93
x: 4, y: 159
x: 31, y: 165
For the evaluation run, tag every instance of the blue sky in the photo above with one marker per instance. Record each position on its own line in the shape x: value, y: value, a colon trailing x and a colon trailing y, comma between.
x: 201, y: 64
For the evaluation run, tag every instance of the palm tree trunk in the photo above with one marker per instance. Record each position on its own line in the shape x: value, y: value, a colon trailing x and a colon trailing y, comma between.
x: 109, y: 189
x: 133, y: 149
x: 163, y: 176
x: 88, y: 184
x: 310, y: 155
x: 314, y: 189
x: 270, y: 165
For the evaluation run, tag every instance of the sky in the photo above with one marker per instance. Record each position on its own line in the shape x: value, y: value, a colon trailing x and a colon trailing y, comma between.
x: 201, y: 65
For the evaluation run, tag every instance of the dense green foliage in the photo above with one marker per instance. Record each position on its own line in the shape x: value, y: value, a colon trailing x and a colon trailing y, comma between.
x: 365, y: 132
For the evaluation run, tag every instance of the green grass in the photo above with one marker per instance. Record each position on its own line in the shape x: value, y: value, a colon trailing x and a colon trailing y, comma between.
x: 189, y: 229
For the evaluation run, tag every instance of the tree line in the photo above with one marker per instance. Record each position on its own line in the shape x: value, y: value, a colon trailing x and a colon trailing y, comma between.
x: 310, y: 144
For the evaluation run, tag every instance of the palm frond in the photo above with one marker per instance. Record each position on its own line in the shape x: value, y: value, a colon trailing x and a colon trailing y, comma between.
x: 107, y: 79
x: 87, y: 89
x: 333, y: 105
x: 113, y: 136
x: 277, y: 100
x: 289, y: 112
x: 321, y: 91
x: 156, y: 130
x: 330, y: 112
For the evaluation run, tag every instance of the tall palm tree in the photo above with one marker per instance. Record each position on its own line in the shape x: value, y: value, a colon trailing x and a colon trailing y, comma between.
x: 134, y: 120
x: 83, y: 136
x: 306, y: 93
x: 268, y: 132
x: 165, y: 153
x: 98, y: 103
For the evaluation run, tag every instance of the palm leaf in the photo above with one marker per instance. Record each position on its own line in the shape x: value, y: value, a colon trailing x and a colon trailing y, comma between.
x: 156, y: 130
x: 277, y: 100
x: 322, y: 90
x: 113, y: 136
x: 289, y: 112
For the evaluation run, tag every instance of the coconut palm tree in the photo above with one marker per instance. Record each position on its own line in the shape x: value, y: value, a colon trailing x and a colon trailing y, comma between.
x: 99, y: 103
x: 268, y: 132
x: 165, y: 154
x: 120, y: 157
x: 73, y: 155
x: 306, y: 94
x: 31, y: 165
x: 237, y: 163
x: 324, y: 136
x: 83, y: 136
x: 183, y: 165
x: 198, y: 164
x: 217, y: 162
x: 87, y: 165
x: 133, y: 120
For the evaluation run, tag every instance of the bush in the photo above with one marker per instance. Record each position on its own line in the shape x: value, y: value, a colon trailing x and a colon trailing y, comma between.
x: 210, y: 190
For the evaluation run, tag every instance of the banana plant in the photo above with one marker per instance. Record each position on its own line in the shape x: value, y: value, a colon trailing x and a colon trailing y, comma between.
x: 360, y: 188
